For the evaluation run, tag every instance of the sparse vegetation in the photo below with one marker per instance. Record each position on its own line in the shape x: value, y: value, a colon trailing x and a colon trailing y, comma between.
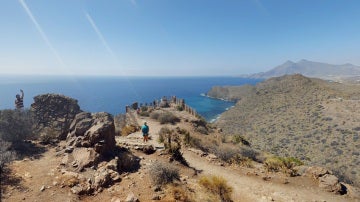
x: 284, y: 164
x: 128, y: 129
x: 217, y: 185
x: 6, y: 155
x: 15, y: 125
x: 48, y: 136
x: 164, y: 117
x: 163, y: 173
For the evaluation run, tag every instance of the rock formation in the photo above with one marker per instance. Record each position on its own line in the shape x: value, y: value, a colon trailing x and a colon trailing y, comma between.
x: 54, y: 111
x: 95, y: 131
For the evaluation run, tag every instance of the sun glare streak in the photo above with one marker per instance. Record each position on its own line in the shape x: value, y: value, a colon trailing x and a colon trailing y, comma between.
x: 41, y: 32
x: 108, y: 49
x: 99, y: 34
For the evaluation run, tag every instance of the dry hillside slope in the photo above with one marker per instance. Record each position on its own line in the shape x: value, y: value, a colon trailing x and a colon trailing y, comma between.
x: 311, y: 119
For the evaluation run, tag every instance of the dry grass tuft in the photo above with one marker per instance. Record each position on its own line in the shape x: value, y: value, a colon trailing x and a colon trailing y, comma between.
x: 217, y: 185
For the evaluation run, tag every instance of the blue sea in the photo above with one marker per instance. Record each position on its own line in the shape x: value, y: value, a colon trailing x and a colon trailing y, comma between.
x: 112, y: 94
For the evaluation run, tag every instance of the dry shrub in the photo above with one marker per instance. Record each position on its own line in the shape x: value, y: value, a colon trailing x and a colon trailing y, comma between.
x: 6, y: 155
x: 163, y: 133
x: 225, y: 153
x: 217, y: 185
x: 48, y: 136
x: 243, y: 161
x: 168, y: 117
x: 284, y: 164
x: 180, y: 194
x: 163, y: 173
x: 129, y: 129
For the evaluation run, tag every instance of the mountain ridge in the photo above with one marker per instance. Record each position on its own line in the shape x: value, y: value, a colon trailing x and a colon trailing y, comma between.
x: 311, y: 69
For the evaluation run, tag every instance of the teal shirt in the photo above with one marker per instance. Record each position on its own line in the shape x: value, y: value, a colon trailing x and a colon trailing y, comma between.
x: 145, y: 129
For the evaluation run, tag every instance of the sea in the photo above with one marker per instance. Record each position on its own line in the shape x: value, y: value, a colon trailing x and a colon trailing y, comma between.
x: 111, y: 93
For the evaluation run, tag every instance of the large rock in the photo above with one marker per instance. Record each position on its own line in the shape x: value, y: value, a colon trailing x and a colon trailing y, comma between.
x: 330, y: 183
x: 85, y: 157
x: 95, y: 130
x: 54, y: 111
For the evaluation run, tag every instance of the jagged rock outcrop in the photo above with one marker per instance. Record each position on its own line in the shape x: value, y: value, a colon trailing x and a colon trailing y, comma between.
x: 326, y: 179
x: 54, y: 111
x: 90, y: 153
x: 95, y: 131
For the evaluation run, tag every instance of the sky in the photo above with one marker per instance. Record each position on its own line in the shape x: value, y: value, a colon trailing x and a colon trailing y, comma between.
x: 174, y: 37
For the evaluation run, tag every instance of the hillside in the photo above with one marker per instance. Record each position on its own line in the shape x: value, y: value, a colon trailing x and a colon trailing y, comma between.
x: 186, y: 159
x: 312, y: 69
x: 311, y: 119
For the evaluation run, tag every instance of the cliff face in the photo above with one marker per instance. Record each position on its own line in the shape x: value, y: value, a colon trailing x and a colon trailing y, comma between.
x: 311, y: 119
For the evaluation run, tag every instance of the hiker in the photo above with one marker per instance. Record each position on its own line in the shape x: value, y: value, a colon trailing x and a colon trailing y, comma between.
x: 19, y: 101
x: 145, y: 131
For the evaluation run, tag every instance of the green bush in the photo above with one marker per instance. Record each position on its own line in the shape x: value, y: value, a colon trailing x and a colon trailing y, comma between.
x: 15, y: 125
x: 217, y: 185
x: 163, y: 173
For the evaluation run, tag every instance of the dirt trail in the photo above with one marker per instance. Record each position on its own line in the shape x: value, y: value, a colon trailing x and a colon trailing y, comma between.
x: 248, y: 188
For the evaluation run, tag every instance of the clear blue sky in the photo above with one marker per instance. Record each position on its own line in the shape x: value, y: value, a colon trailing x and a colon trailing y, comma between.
x: 174, y: 37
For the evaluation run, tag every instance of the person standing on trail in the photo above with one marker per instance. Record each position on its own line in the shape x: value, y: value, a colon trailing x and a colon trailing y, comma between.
x: 145, y: 131
x: 19, y: 101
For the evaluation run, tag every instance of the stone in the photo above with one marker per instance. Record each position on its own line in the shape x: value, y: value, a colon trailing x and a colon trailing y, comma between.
x: 330, y: 183
x: 317, y: 172
x: 148, y: 149
x: 131, y: 198
x: 352, y: 192
x: 85, y: 157
x: 115, y: 199
x: 96, y: 131
x: 156, y: 197
x: 42, y: 188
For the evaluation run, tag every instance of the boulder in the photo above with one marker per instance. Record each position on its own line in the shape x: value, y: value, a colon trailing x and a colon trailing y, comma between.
x: 95, y: 130
x: 85, y: 157
x: 131, y: 198
x: 317, y: 172
x: 54, y: 111
x: 330, y: 183
x: 148, y: 149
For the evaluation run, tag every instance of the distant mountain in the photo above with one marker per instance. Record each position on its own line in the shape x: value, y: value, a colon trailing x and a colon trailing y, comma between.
x: 311, y: 69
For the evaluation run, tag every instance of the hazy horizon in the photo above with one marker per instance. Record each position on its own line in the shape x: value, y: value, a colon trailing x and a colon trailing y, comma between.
x: 173, y: 38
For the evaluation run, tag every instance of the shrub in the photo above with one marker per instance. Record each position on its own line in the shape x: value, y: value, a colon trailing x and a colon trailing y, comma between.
x: 164, y: 131
x: 144, y: 113
x: 179, y: 108
x: 128, y: 129
x: 154, y: 115
x: 48, y: 136
x: 168, y: 117
x: 15, y: 125
x: 236, y: 139
x: 5, y: 154
x: 286, y: 164
x: 225, y: 153
x: 163, y: 173
x: 217, y: 185
x: 179, y: 194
